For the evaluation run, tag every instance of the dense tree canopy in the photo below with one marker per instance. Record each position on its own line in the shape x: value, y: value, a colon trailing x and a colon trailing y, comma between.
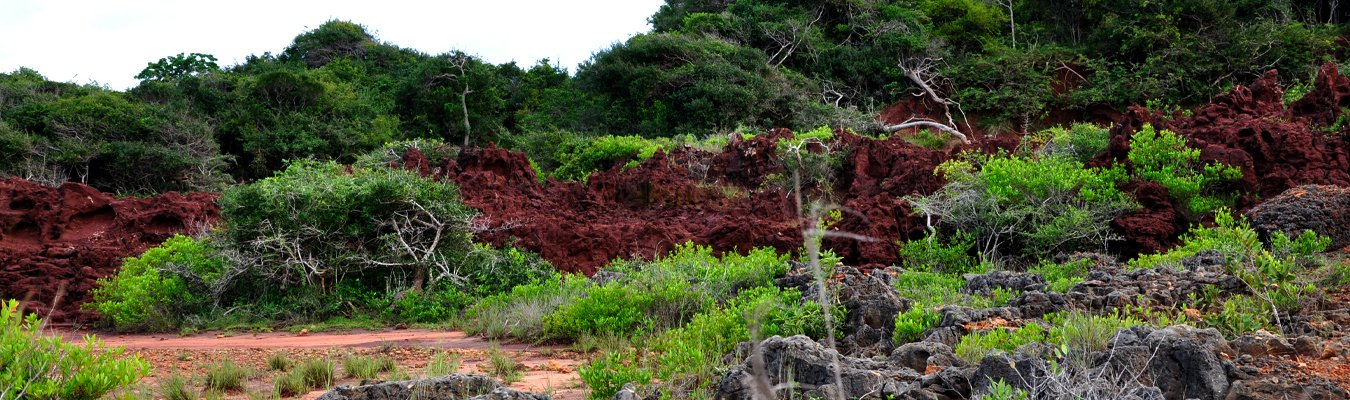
x: 707, y: 66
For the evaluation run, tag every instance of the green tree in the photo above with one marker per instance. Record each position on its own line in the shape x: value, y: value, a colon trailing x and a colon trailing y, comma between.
x: 178, y: 66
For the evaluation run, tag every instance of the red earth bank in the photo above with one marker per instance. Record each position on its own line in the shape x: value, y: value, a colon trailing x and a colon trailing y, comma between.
x: 56, y: 242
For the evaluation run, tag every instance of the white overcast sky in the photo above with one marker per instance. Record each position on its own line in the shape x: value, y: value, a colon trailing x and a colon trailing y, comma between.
x: 109, y: 42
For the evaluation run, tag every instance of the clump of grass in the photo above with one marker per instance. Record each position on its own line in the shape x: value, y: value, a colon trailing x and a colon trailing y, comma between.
x: 225, y: 376
x: 503, y: 366
x: 292, y: 384
x: 316, y: 373
x: 278, y: 362
x: 175, y: 387
x: 367, y: 367
x: 443, y: 364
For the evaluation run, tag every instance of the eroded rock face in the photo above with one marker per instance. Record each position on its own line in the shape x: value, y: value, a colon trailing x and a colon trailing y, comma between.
x: 1320, y: 208
x: 452, y: 387
x: 55, y: 243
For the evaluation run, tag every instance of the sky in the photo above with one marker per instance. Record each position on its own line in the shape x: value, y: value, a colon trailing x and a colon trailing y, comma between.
x: 108, y: 42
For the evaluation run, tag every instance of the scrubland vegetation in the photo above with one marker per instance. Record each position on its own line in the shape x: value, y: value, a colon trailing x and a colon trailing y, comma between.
x: 322, y: 232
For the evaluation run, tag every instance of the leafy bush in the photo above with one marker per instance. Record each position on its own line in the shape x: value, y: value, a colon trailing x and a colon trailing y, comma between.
x: 1164, y: 157
x: 1080, y: 142
x: 609, y: 373
x: 931, y: 254
x: 911, y: 324
x: 316, y: 227
x: 157, y: 289
x: 601, y: 153
x: 36, y: 366
x: 612, y: 308
x: 520, y: 312
x: 1063, y: 276
x: 688, y: 357
x: 1028, y: 205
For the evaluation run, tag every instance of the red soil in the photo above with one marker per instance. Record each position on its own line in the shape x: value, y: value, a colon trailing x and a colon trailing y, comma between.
x: 1277, y: 148
x: 56, y: 242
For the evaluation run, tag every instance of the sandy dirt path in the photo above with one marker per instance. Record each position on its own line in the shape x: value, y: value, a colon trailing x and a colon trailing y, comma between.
x: 547, y: 369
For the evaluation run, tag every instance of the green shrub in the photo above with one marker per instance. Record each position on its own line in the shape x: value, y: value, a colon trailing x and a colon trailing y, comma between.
x: 157, y: 289
x: 930, y: 289
x: 611, y: 308
x: 911, y: 324
x: 1028, y: 205
x: 690, y: 355
x: 1164, y: 157
x: 37, y: 366
x: 1240, y: 315
x: 1063, y: 276
x: 1001, y: 390
x: 663, y: 293
x: 520, y: 313
x: 225, y: 376
x: 974, y: 346
x: 931, y: 254
x: 609, y: 373
x: 1079, y: 142
x: 601, y: 153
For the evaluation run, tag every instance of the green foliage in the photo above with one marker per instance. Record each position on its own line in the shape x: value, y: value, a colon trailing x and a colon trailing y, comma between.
x: 1062, y: 276
x: 291, y: 384
x: 350, y: 223
x: 316, y: 373
x: 931, y: 254
x: 1276, y: 275
x: 365, y: 367
x: 911, y: 324
x: 1028, y: 205
x: 609, y: 373
x: 1164, y: 157
x: 34, y: 365
x: 178, y: 66
x: 520, y: 312
x: 662, y: 84
x: 157, y: 289
x: 601, y: 153
x: 1080, y: 142
x: 930, y: 288
x: 1240, y: 315
x: 279, y: 362
x: 1001, y: 390
x: 443, y: 364
x: 503, y: 366
x: 225, y: 376
x: 175, y: 387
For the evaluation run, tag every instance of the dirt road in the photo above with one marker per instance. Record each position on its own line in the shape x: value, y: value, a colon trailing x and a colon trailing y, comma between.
x: 547, y: 369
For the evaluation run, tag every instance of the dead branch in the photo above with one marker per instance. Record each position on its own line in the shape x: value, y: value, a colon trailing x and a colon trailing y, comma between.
x: 927, y: 123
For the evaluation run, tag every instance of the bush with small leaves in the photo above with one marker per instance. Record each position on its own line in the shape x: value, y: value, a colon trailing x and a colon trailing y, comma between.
x: 39, y: 366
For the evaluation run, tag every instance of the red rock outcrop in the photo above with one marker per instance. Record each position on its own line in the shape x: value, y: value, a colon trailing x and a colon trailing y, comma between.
x: 56, y: 242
